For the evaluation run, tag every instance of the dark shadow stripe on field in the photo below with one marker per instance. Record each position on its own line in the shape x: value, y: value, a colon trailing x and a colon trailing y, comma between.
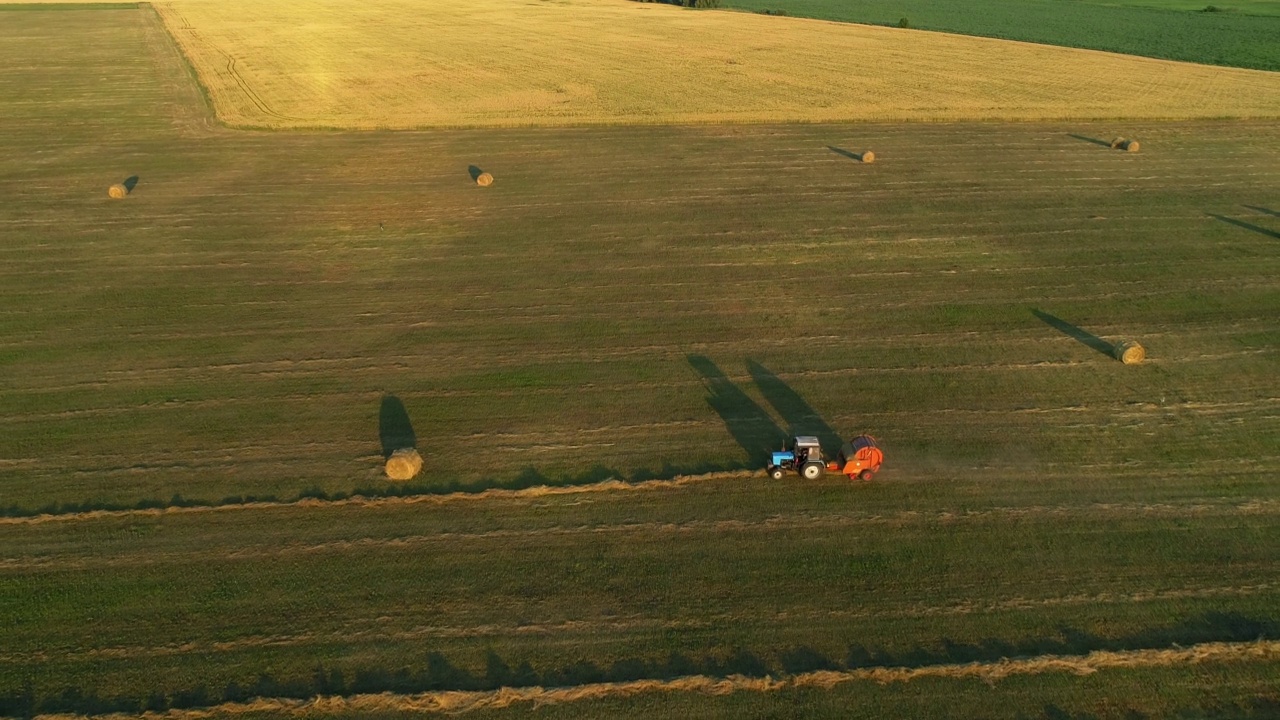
x: 1093, y: 140
x: 849, y: 154
x: 1072, y: 331
x: 395, y: 431
x: 800, y: 417
x: 438, y: 673
x: 750, y: 425
x: 1267, y: 211
x: 1247, y: 226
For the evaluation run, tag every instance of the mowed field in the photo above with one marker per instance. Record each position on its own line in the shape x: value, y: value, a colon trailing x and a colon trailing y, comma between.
x: 1239, y: 34
x: 657, y: 305
x: 400, y: 64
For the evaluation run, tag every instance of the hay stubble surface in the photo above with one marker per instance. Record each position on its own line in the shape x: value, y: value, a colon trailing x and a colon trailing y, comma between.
x: 405, y: 64
x: 235, y: 329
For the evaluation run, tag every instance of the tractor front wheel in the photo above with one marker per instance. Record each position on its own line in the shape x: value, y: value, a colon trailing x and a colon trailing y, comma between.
x: 865, y: 475
x: 775, y: 472
x: 812, y: 471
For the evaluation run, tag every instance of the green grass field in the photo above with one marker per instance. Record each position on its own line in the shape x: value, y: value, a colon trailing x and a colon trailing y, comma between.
x: 266, y: 310
x: 1243, y: 36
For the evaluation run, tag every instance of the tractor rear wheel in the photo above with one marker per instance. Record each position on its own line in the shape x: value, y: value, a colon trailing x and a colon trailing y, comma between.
x: 775, y: 472
x: 865, y: 475
x: 812, y: 471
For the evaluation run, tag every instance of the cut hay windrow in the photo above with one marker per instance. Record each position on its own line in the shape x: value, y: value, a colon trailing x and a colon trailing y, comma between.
x: 457, y: 702
x: 431, y: 499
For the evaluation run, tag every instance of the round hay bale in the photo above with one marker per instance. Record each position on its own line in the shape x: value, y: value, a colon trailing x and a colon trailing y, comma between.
x: 484, y: 179
x: 1118, y: 143
x: 117, y: 191
x: 1132, y: 146
x: 868, y: 157
x: 404, y: 464
x: 1130, y: 352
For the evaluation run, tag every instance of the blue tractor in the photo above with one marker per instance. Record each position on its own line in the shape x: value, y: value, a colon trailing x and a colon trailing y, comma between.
x: 804, y: 457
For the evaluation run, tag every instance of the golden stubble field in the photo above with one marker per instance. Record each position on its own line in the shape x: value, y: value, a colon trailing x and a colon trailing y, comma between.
x: 406, y: 64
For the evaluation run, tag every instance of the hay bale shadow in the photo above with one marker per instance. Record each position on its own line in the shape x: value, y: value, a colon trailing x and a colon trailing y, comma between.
x: 480, y: 177
x: 395, y: 431
x: 1076, y: 333
x: 1265, y: 211
x: 1247, y: 226
x: 121, y: 190
x: 1095, y: 141
x: 865, y: 157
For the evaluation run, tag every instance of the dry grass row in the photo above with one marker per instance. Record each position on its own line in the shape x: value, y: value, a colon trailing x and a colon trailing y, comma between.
x: 402, y: 64
x: 456, y: 702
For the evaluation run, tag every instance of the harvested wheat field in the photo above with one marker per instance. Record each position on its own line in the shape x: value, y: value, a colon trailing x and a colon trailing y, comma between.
x: 406, y: 64
x: 201, y: 386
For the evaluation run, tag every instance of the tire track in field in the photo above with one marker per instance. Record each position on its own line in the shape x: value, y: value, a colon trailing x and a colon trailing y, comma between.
x: 459, y: 702
x: 168, y: 14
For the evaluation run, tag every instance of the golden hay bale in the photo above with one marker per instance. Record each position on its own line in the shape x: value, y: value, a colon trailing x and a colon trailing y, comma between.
x: 117, y: 191
x: 404, y: 464
x: 484, y: 179
x: 1130, y: 352
x: 1131, y: 145
x: 1117, y: 143
x: 868, y: 157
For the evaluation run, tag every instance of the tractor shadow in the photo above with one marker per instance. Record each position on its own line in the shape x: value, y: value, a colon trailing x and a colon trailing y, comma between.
x: 1078, y: 334
x: 847, y: 153
x: 1247, y: 226
x: 475, y: 172
x: 799, y: 415
x: 750, y: 425
x: 1093, y: 140
x: 395, y: 431
x: 130, y: 183
x: 1265, y: 211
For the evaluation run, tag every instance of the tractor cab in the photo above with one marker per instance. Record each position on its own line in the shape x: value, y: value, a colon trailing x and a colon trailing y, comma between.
x: 805, y: 457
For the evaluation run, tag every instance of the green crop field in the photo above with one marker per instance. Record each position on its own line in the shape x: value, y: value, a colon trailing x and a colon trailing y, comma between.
x: 199, y: 383
x: 1244, y: 36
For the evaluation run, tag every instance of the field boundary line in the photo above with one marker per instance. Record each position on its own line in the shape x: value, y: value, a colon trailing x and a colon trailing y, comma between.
x: 458, y: 702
